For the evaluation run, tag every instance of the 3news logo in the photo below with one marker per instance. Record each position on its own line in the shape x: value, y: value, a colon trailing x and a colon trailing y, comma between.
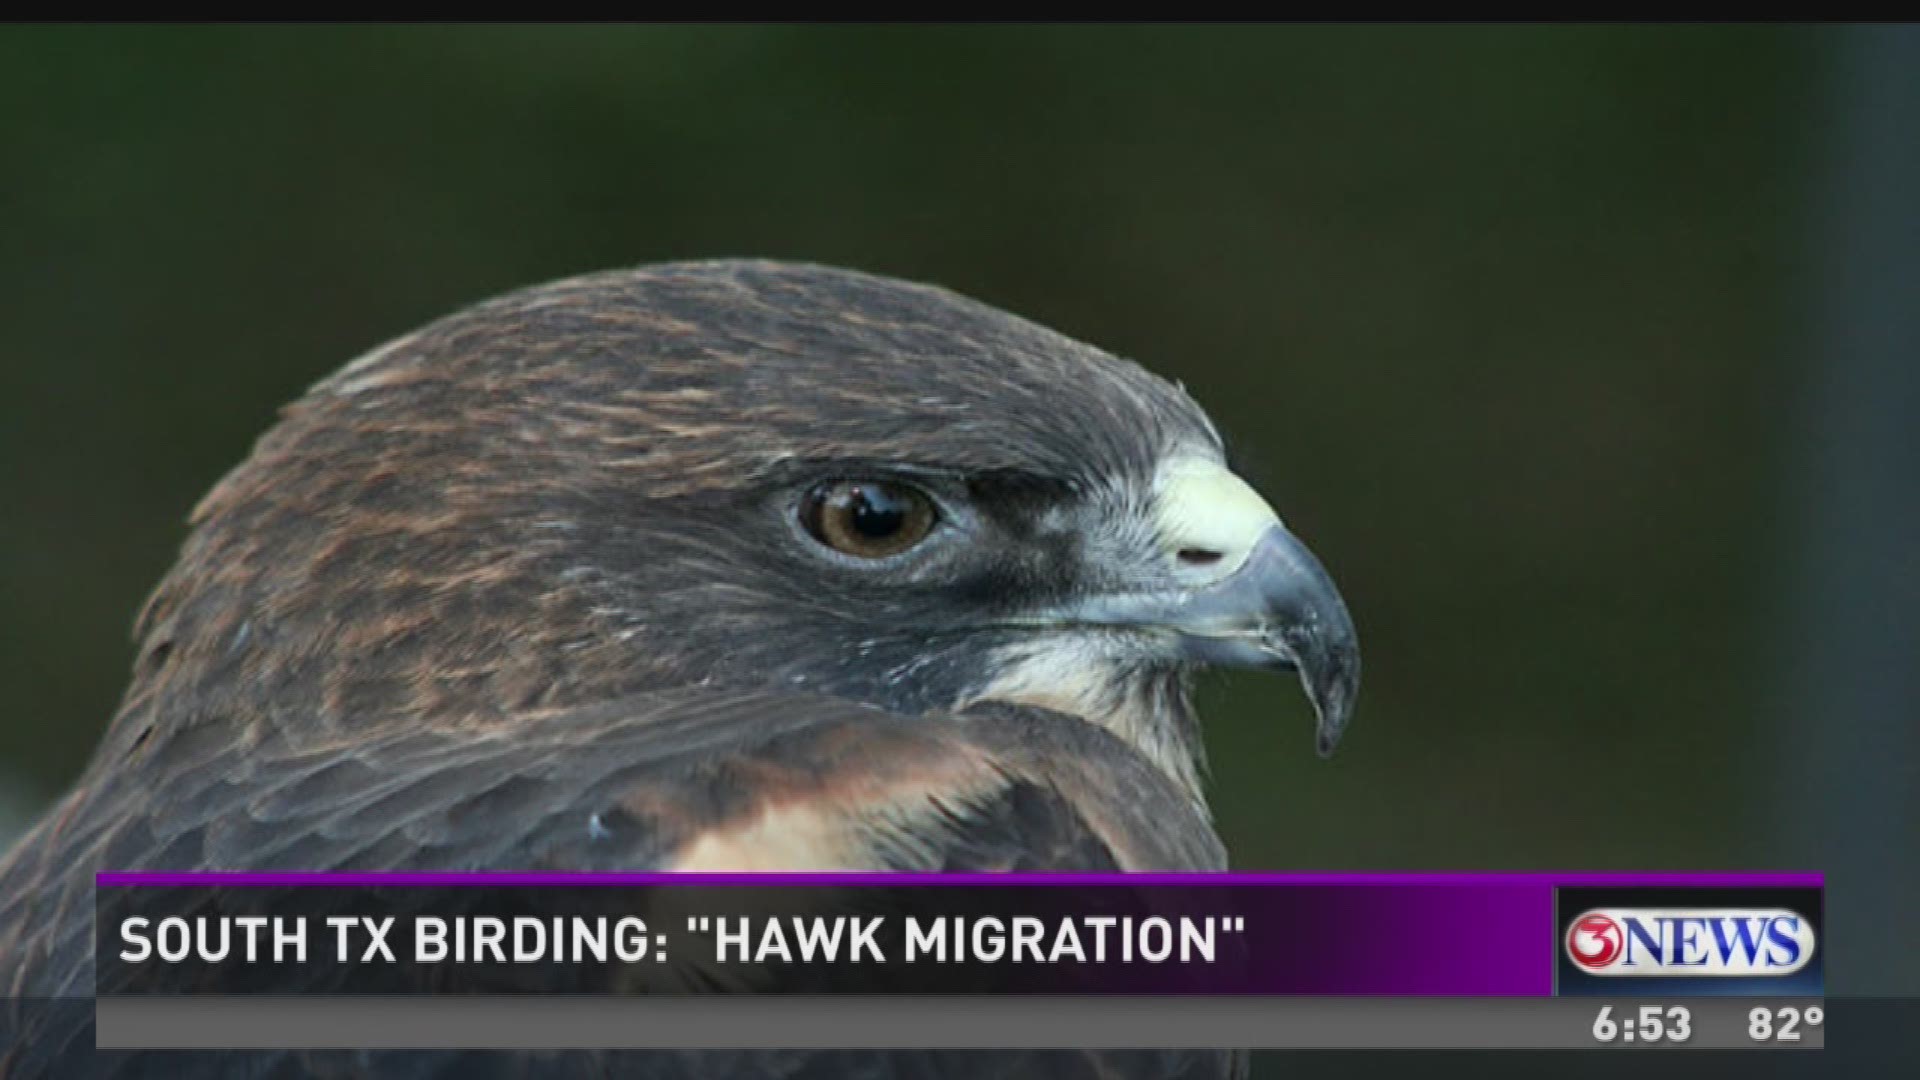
x: 1695, y: 940
x: 1627, y: 942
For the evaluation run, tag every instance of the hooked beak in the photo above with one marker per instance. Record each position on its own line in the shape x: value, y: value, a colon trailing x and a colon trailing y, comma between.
x: 1262, y: 600
x: 1279, y: 610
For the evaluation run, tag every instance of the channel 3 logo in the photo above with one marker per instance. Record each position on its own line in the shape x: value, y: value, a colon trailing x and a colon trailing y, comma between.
x: 1690, y: 941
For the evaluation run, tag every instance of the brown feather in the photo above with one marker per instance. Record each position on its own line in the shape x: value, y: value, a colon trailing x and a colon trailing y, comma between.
x: 516, y: 591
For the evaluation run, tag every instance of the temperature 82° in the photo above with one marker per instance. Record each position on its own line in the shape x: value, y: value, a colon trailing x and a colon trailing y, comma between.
x: 1784, y: 1024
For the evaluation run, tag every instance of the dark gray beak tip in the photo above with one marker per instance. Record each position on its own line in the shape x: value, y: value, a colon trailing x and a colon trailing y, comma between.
x: 1311, y: 627
x: 1332, y: 697
x: 1326, y: 743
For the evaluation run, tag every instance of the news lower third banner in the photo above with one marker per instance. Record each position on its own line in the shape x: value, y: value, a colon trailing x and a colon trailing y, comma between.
x: 1335, y: 959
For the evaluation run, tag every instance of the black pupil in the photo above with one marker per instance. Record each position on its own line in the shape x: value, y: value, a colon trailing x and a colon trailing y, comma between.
x: 876, y: 512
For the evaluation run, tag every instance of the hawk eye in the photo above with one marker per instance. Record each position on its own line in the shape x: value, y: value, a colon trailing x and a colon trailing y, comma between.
x: 868, y: 519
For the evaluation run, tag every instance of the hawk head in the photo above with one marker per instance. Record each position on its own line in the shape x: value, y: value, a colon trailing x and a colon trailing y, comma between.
x: 737, y: 473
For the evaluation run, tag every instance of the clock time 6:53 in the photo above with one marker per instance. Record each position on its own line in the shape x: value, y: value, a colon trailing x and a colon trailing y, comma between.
x: 1648, y: 1024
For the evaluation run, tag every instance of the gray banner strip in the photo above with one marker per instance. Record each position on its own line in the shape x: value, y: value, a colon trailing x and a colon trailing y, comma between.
x: 800, y: 1023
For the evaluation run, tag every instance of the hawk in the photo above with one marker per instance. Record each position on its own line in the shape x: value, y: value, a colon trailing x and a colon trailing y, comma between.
x: 722, y: 566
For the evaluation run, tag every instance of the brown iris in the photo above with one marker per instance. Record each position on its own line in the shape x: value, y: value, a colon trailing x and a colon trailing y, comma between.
x: 868, y: 519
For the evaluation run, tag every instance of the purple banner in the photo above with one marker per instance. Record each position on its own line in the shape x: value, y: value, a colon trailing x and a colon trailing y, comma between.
x: 1276, y: 934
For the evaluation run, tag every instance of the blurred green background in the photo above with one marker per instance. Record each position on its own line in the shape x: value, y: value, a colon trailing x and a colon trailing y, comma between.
x: 1509, y: 323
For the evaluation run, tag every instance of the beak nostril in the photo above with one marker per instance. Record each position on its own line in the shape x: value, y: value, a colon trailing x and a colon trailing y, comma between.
x: 1198, y: 557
